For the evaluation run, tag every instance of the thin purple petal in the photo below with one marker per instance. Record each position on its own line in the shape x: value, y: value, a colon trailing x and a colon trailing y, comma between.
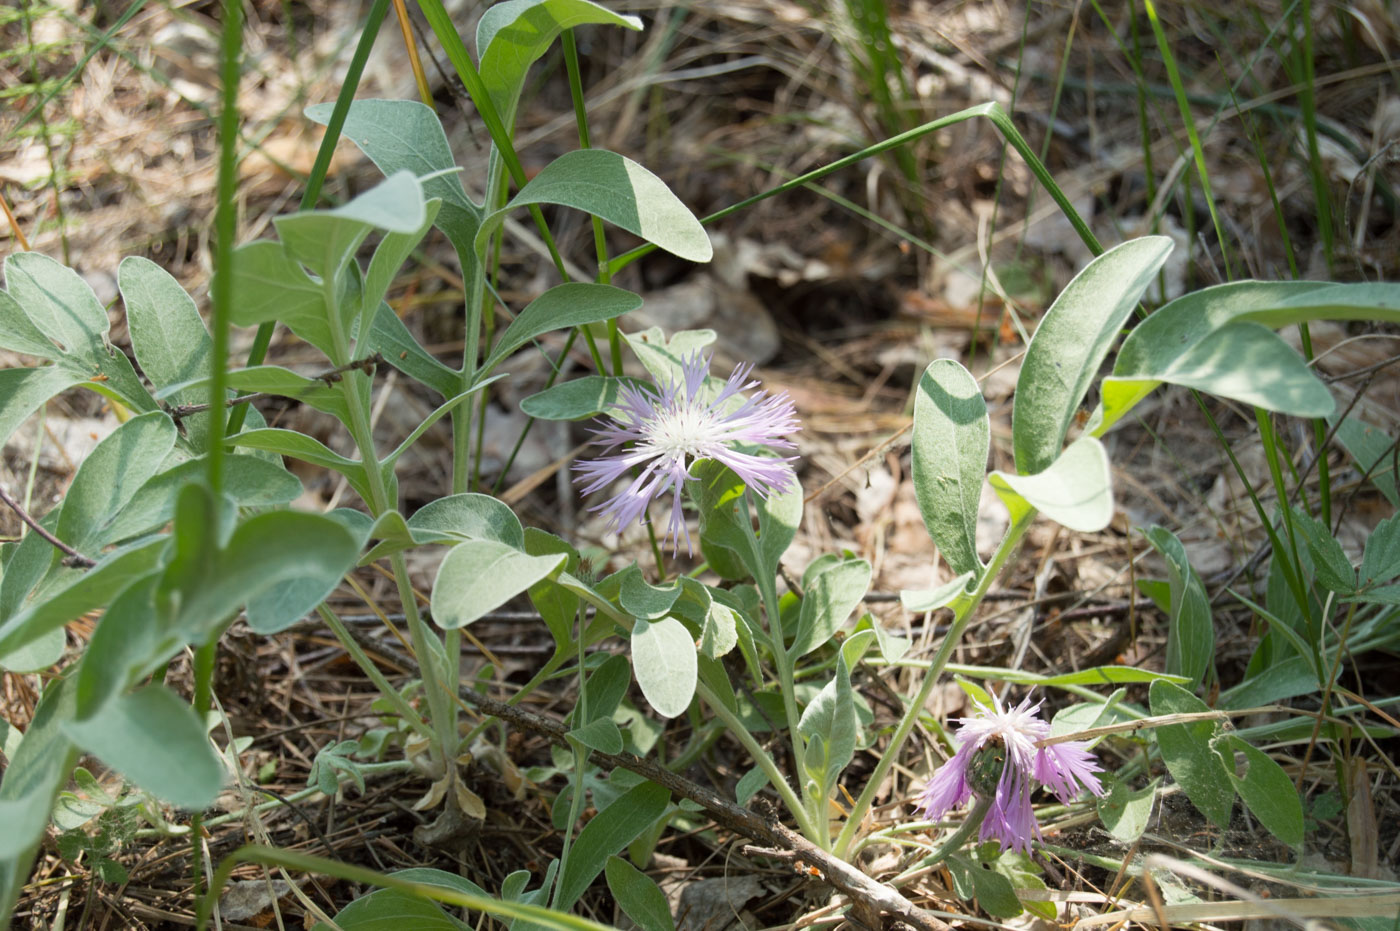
x: 664, y: 429
x: 948, y: 788
x: 1065, y: 768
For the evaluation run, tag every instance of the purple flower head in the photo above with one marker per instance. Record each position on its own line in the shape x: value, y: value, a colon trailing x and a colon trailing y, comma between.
x: 998, y: 756
x: 663, y: 430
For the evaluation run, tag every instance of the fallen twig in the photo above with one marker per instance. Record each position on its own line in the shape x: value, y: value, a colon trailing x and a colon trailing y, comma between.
x: 73, y: 557
x: 869, y: 898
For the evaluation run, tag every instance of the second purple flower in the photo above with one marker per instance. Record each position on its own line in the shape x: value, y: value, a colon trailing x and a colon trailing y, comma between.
x: 663, y: 430
x: 997, y: 758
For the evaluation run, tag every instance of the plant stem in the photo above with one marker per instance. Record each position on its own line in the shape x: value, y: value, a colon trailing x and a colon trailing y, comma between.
x: 761, y: 757
x: 406, y: 711
x: 954, y: 842
x: 580, y: 760
x: 962, y: 614
x: 204, y: 659
x: 768, y: 591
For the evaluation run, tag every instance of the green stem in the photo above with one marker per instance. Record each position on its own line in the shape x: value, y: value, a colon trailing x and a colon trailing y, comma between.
x: 768, y: 591
x: 963, y: 608
x: 580, y: 760
x: 992, y: 110
x: 442, y: 707
x: 953, y: 844
x: 204, y: 660
x: 600, y: 240
x: 263, y: 338
x: 406, y: 711
x: 761, y: 757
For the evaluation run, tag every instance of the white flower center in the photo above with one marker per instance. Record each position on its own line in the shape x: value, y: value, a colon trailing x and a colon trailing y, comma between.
x: 678, y: 433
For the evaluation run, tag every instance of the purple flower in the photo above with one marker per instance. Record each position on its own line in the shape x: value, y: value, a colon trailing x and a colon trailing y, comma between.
x: 665, y: 429
x: 998, y: 756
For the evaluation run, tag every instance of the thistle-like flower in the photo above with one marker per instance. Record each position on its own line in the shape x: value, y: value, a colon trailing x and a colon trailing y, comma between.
x: 997, y: 757
x: 666, y: 428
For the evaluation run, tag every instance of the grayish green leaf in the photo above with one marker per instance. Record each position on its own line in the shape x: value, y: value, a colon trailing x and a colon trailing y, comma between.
x: 271, y: 286
x: 37, y: 769
x: 663, y: 660
x: 829, y: 727
x: 1181, y: 327
x: 402, y: 135
x: 280, y: 564
x: 1266, y: 789
x: 599, y: 734
x: 918, y: 601
x: 23, y: 391
x: 324, y: 240
x: 38, y: 654
x: 478, y: 576
x: 19, y: 334
x: 249, y: 482
x: 1071, y: 342
x: 1381, y: 560
x: 467, y: 517
x: 59, y: 303
x: 167, y: 334
x: 606, y: 687
x: 1375, y: 454
x: 110, y: 477
x: 641, y: 599
x: 563, y: 306
x: 512, y: 35
x: 1190, y: 630
x: 1074, y: 490
x: 1189, y: 752
x: 1124, y: 811
x: 828, y: 602
x: 577, y: 398
x: 157, y: 741
x: 618, y: 190
x: 663, y: 356
x: 78, y: 592
x: 952, y: 436
x: 639, y: 896
x: 391, y: 339
x: 388, y: 256
x: 611, y: 829
x: 1334, y: 569
x: 393, y: 910
x: 1244, y: 361
x: 749, y: 785
x: 300, y: 446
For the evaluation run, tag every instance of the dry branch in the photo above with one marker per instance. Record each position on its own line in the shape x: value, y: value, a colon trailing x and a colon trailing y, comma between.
x: 869, y: 898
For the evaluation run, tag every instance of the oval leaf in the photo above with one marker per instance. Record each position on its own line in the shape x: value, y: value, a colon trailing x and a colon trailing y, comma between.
x: 828, y: 602
x: 467, y: 517
x: 1071, y: 342
x: 512, y: 35
x: 613, y: 188
x: 1190, y: 630
x: 479, y: 576
x: 639, y: 896
x: 573, y: 304
x: 576, y: 399
x: 1189, y: 752
x: 663, y: 656
x: 157, y: 741
x: 1075, y: 490
x: 952, y: 436
x: 1266, y: 789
